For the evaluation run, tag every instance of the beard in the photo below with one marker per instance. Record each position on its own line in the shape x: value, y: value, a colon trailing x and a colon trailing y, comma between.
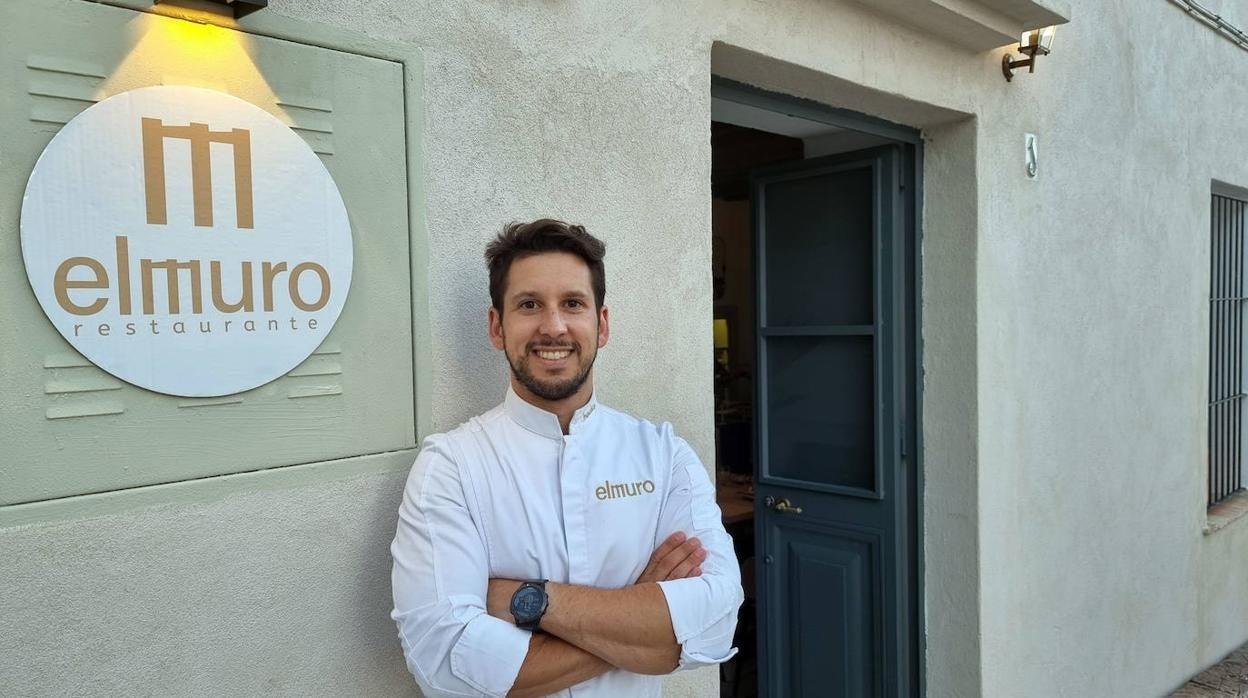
x: 552, y: 390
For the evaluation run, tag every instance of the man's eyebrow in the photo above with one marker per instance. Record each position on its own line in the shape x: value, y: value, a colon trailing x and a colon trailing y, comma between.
x: 523, y: 295
x: 534, y: 294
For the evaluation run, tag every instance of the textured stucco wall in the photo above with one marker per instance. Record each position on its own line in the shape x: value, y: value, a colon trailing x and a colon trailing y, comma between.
x: 1093, y: 317
x: 1065, y: 342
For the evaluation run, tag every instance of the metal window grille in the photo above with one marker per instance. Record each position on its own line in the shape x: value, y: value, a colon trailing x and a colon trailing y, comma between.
x: 1226, y: 325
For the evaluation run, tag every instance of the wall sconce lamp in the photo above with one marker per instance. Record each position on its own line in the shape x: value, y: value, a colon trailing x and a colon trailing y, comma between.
x: 1033, y: 45
x: 240, y: 8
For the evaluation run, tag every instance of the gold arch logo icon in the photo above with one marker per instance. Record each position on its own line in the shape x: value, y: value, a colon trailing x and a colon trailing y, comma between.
x: 201, y: 137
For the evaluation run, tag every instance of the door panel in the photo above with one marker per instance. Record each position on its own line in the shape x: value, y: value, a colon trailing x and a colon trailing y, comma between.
x: 831, y: 575
x: 800, y: 206
x: 834, y: 607
x: 820, y: 427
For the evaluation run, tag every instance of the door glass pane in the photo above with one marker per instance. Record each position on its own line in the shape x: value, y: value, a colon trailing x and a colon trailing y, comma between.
x: 817, y: 235
x: 820, y: 409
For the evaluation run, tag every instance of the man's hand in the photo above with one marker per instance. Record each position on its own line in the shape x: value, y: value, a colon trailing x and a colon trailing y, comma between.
x: 676, y: 558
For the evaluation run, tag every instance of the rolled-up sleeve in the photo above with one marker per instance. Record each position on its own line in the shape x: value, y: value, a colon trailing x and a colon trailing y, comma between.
x: 703, y: 608
x: 439, y: 579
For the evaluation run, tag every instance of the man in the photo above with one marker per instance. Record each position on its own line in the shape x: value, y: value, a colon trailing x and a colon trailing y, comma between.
x: 552, y: 544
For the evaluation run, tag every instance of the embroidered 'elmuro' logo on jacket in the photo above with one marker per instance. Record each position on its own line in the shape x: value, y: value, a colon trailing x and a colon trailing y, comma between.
x: 630, y: 489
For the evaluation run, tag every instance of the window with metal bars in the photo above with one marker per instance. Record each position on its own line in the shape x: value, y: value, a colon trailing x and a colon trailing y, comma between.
x: 1226, y: 342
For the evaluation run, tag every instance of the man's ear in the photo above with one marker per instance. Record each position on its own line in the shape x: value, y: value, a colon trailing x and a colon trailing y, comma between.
x: 496, y: 327
x: 604, y: 327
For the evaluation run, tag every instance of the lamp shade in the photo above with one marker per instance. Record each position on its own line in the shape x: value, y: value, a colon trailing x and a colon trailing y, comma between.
x: 1043, y: 38
x: 1046, y: 37
x: 240, y: 8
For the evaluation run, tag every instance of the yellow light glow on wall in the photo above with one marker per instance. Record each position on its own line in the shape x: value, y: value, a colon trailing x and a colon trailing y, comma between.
x: 197, y: 40
x: 169, y: 51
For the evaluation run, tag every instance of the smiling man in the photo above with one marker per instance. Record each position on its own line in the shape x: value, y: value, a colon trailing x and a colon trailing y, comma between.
x: 554, y: 545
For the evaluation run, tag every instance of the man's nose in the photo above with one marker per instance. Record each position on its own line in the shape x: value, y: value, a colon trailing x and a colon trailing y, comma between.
x: 553, y: 323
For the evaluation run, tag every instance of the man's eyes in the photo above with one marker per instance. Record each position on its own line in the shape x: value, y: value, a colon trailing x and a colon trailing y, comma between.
x: 533, y: 305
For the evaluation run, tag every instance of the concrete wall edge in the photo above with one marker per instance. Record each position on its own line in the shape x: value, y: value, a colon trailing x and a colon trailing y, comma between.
x: 190, y: 492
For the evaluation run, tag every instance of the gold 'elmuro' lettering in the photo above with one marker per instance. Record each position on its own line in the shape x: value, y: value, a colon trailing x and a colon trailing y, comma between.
x: 173, y: 270
x: 245, y: 302
x: 174, y: 291
x: 270, y: 271
x: 62, y: 283
x: 294, y: 286
x: 122, y: 247
x: 609, y: 490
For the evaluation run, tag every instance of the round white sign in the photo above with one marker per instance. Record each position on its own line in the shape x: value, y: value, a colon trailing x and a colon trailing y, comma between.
x: 186, y: 241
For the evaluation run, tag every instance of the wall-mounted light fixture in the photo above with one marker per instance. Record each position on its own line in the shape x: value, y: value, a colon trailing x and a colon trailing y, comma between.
x: 239, y: 8
x: 1033, y: 44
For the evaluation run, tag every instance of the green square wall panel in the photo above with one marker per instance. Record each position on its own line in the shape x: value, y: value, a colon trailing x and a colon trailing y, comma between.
x: 73, y: 421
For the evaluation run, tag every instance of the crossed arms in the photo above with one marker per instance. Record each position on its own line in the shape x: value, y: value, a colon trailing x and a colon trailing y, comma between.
x: 456, y: 627
x: 592, y: 630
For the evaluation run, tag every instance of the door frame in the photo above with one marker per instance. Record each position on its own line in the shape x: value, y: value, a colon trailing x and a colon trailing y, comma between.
x: 908, y: 288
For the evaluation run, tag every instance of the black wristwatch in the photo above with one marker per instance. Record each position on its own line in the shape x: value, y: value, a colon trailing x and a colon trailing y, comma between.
x: 528, y: 604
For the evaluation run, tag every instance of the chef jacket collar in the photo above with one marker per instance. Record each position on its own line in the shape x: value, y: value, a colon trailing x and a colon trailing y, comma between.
x: 541, y: 422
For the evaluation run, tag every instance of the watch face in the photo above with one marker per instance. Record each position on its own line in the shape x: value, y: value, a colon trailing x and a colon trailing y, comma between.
x: 528, y: 602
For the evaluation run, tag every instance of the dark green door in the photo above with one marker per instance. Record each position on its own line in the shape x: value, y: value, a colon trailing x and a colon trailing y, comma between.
x: 834, y: 498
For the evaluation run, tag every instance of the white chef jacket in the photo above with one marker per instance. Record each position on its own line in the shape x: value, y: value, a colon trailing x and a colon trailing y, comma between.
x: 507, y: 494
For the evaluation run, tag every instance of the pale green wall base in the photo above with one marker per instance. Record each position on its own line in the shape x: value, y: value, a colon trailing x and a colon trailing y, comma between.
x: 278, y: 588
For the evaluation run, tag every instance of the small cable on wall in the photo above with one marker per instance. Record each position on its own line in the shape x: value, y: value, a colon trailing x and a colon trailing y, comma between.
x: 1214, y: 21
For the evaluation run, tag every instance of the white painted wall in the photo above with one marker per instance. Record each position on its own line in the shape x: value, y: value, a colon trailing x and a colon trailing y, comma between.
x: 1093, y: 350
x: 1065, y: 343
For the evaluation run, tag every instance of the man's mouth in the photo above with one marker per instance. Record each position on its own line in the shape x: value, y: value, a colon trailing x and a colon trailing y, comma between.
x: 553, y: 354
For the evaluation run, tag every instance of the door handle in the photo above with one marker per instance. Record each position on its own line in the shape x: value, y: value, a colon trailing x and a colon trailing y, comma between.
x: 784, y: 506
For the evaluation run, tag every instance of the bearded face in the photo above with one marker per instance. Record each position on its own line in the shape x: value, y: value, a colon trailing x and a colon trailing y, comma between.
x: 549, y: 329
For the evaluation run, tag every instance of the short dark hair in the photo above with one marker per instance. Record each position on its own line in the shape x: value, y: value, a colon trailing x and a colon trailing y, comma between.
x: 520, y: 240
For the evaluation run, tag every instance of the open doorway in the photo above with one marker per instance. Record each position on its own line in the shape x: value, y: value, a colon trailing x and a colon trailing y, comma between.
x: 812, y: 247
